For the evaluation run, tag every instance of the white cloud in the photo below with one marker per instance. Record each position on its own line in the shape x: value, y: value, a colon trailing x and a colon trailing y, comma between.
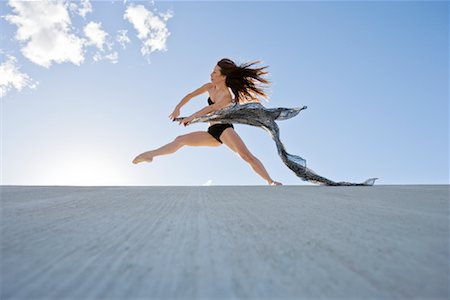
x: 98, y: 38
x: 82, y: 9
x: 47, y: 36
x: 167, y: 15
x: 95, y: 34
x: 11, y: 77
x: 208, y: 182
x: 152, y: 30
x: 113, y: 57
x: 85, y: 8
x: 122, y: 38
x: 45, y: 28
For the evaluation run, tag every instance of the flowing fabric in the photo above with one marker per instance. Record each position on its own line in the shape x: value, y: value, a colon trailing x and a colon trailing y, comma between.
x: 255, y: 114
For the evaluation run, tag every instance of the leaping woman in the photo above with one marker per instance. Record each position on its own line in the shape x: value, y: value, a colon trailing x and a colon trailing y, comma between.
x: 227, y: 79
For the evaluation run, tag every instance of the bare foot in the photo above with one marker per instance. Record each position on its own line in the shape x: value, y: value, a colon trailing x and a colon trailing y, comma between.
x: 146, y: 156
x: 275, y: 183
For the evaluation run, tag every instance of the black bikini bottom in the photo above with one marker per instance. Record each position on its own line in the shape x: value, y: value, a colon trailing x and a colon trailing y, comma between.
x: 217, y: 129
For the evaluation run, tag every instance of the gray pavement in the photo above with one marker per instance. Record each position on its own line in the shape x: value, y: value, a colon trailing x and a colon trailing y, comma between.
x: 225, y: 242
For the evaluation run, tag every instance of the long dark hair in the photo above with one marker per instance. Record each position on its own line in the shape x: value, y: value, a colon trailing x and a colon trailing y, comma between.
x: 245, y: 82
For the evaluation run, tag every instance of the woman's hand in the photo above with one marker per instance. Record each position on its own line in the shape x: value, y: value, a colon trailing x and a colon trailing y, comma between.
x: 185, y: 121
x: 175, y: 113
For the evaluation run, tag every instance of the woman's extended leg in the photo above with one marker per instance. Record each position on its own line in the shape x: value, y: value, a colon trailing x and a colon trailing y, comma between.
x: 230, y: 138
x: 197, y: 138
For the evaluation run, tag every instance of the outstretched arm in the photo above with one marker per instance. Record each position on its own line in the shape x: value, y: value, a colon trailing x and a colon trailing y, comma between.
x: 203, y: 89
x: 210, y: 108
x: 204, y: 111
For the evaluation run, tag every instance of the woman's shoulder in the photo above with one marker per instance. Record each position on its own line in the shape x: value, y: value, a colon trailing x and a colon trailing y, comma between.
x: 208, y: 86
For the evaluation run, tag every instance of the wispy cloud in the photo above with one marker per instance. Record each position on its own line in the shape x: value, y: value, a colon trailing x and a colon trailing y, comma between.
x: 44, y: 28
x: 12, y: 77
x: 82, y: 8
x: 209, y: 182
x: 46, y: 35
x: 113, y: 57
x: 122, y: 38
x: 98, y: 37
x: 151, y: 28
x: 95, y: 34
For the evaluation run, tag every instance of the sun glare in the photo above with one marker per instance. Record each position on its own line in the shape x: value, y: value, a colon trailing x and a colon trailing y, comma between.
x: 83, y: 171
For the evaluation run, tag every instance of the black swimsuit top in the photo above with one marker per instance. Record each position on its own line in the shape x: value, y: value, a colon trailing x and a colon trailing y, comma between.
x: 211, y: 103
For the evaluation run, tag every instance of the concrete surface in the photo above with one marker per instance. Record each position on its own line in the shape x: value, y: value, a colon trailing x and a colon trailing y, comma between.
x: 225, y: 242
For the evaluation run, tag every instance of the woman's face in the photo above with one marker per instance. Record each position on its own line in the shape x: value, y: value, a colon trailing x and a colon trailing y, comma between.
x: 216, y: 76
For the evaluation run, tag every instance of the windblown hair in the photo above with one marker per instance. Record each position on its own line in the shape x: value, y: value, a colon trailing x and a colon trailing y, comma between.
x: 245, y: 82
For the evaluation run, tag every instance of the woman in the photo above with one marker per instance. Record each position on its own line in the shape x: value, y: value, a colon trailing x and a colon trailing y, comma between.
x: 226, y: 77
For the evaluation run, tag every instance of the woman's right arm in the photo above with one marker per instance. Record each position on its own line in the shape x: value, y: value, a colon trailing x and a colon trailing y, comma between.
x: 199, y: 91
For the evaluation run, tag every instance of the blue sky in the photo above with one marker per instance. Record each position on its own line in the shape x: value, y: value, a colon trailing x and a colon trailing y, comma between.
x: 78, y: 103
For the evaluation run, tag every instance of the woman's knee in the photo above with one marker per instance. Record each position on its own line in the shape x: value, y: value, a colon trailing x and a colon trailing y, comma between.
x: 248, y: 157
x: 181, y: 139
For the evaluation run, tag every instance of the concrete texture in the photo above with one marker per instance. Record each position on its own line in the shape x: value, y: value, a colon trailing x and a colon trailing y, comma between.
x: 228, y: 242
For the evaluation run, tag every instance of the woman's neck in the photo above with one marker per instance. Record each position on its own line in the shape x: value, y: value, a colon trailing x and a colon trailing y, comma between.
x: 220, y: 86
